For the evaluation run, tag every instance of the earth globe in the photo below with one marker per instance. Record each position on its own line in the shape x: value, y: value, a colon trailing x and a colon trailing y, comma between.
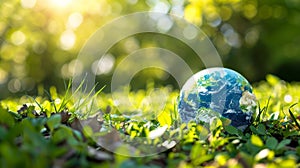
x: 217, y: 92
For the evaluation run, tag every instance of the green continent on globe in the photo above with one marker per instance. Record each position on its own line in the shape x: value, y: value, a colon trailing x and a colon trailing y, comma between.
x: 217, y: 92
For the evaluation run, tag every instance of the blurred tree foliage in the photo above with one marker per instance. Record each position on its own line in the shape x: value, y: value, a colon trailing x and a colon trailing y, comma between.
x: 40, y: 39
x: 255, y: 37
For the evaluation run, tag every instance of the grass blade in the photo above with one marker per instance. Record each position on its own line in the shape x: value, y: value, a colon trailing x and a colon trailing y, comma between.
x: 293, y: 117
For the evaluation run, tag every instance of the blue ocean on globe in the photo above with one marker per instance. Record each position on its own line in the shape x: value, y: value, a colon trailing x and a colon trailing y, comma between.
x: 217, y: 92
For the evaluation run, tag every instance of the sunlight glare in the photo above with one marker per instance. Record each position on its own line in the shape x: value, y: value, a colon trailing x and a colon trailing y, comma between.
x: 60, y: 3
x: 28, y: 3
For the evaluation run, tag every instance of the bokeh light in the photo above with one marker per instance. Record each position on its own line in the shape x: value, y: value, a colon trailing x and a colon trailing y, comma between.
x: 60, y: 3
x: 39, y: 39
x: 28, y: 3
x: 104, y: 65
x: 67, y: 40
x: 74, y: 20
x: 3, y: 76
x: 18, y: 38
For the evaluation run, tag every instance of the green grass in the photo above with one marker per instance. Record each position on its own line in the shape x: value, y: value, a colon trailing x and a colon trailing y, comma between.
x: 44, y: 131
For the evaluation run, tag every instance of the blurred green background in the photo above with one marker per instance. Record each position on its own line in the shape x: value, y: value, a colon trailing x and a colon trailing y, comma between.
x: 40, y: 39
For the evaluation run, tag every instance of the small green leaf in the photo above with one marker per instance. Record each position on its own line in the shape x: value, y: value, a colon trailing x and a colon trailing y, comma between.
x: 225, y: 121
x: 30, y: 112
x: 54, y: 121
x: 197, y: 150
x: 261, y: 129
x: 298, y: 150
x: 231, y: 130
x: 6, y: 118
x: 215, y: 123
x: 272, y: 80
x: 253, y: 129
x: 287, y: 163
x: 78, y: 135
x: 222, y: 158
x: 271, y: 143
x: 255, y: 140
x: 63, y: 133
x: 164, y: 118
x: 283, y: 143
